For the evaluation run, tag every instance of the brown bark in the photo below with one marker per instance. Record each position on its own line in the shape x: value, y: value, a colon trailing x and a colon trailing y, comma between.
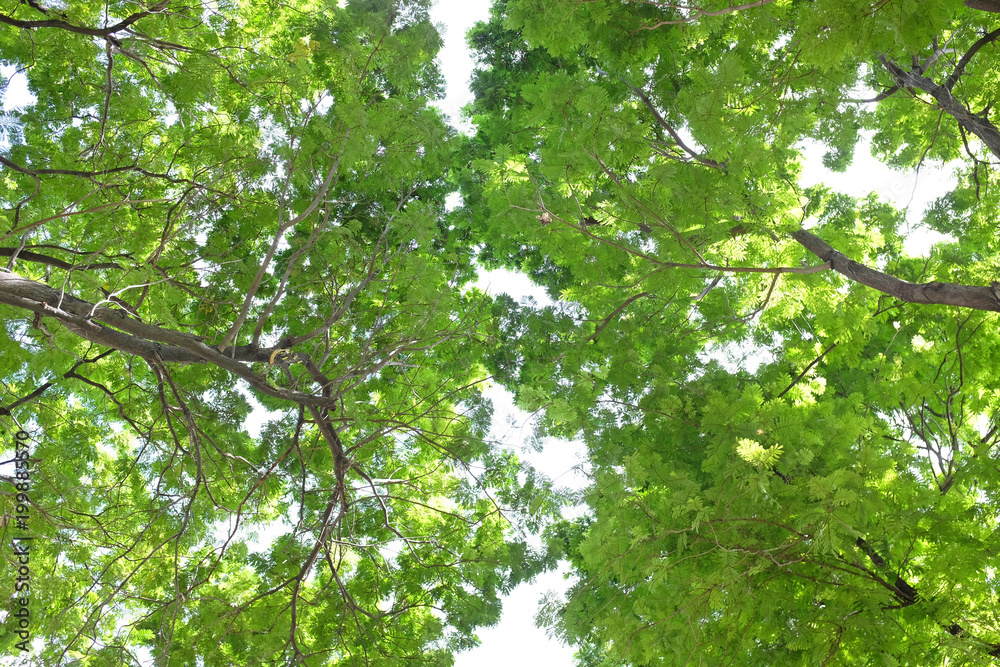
x: 988, y: 38
x: 661, y: 121
x: 29, y: 256
x: 115, y: 329
x: 977, y: 125
x: 78, y: 29
x: 984, y: 5
x: 946, y: 294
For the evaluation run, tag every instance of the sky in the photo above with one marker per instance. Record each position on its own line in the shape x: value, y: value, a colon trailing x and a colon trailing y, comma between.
x: 453, y: 19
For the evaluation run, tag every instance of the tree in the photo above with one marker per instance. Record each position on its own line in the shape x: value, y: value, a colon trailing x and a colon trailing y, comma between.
x: 793, y: 449
x: 211, y: 202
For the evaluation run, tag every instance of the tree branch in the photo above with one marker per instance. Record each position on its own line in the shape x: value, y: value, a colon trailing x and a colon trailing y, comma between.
x: 946, y: 294
x: 132, y: 336
x: 979, y: 126
x: 708, y: 162
x: 805, y: 370
x: 79, y: 29
x: 329, y: 182
x: 984, y: 5
x: 29, y: 256
x: 960, y: 68
x: 703, y: 13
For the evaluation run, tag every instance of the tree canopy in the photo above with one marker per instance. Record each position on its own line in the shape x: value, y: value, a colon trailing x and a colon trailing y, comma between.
x: 217, y: 208
x: 213, y: 202
x: 792, y: 423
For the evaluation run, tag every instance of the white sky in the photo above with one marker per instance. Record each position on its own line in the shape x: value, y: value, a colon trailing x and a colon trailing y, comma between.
x: 453, y: 19
x: 905, y: 190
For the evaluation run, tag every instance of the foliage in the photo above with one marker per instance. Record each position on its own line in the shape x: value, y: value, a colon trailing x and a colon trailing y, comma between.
x: 793, y: 451
x: 208, y: 202
x: 792, y: 423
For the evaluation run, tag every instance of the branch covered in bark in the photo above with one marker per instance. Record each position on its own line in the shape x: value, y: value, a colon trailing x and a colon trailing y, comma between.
x: 946, y: 294
x: 977, y: 125
x: 988, y: 38
x: 661, y: 121
x: 907, y: 594
x: 80, y: 29
x: 29, y: 256
x: 115, y: 329
x: 984, y: 5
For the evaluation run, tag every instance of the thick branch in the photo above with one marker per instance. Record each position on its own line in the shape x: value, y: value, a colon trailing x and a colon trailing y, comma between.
x: 960, y: 68
x: 928, y: 62
x: 904, y: 592
x: 946, y: 294
x: 873, y: 555
x: 984, y: 5
x: 78, y: 29
x: 979, y: 126
x: 907, y: 594
x: 121, y: 332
